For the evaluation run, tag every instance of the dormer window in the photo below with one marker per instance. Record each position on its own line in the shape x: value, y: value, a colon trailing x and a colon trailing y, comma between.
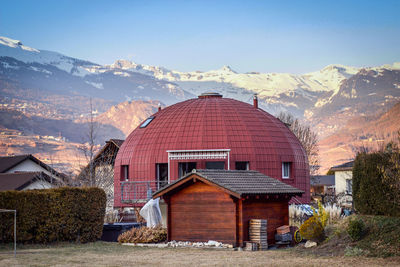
x: 286, y: 170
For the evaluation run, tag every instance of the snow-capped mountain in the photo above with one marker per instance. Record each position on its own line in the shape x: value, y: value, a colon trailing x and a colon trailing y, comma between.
x: 15, y: 49
x: 299, y: 94
x: 57, y: 89
x: 57, y: 73
x: 309, y: 95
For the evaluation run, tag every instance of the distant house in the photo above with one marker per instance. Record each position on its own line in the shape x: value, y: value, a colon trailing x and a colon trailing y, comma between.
x: 102, y: 168
x: 344, y: 177
x: 29, y: 163
x: 25, y: 180
x: 322, y: 185
x: 27, y: 172
x: 344, y: 181
x: 104, y: 160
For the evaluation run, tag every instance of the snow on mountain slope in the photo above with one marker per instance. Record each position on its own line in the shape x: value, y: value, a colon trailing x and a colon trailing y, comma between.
x: 264, y: 84
x: 277, y: 91
x: 298, y: 94
x: 15, y: 49
x: 15, y: 43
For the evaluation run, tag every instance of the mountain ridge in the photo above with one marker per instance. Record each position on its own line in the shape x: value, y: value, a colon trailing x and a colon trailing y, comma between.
x: 124, y: 93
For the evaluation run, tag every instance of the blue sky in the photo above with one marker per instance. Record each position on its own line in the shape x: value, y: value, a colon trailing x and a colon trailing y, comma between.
x: 265, y: 36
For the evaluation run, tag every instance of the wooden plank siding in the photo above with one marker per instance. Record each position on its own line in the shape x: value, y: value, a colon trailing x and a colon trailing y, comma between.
x: 201, y: 212
x: 276, y: 212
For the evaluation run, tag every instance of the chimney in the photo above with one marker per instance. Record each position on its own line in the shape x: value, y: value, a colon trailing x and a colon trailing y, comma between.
x: 255, y: 101
x: 159, y: 106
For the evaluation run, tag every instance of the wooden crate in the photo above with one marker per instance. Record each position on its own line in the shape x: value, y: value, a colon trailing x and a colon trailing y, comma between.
x: 251, y: 246
x: 258, y: 233
x: 283, y: 229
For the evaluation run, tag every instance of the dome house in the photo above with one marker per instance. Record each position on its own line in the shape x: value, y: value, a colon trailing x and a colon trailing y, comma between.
x: 208, y: 132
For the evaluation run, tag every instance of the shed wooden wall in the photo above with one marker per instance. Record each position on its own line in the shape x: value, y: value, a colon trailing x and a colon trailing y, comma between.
x: 200, y: 212
x: 276, y: 212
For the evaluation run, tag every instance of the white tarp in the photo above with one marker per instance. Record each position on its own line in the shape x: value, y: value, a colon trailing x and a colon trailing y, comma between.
x: 151, y: 213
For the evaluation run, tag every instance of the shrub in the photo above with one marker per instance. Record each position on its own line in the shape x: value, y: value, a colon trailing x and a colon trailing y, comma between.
x: 355, y: 229
x: 322, y: 215
x: 372, y: 193
x: 144, y: 235
x: 48, y: 215
x: 313, y: 228
x: 354, y: 251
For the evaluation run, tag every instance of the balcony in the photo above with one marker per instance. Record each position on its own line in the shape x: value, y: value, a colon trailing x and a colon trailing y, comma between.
x: 138, y: 192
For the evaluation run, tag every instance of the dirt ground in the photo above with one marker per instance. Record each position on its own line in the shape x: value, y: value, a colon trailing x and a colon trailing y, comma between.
x: 112, y: 254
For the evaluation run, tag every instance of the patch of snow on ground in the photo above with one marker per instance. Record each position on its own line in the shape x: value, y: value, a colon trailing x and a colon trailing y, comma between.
x: 40, y: 70
x: 8, y: 66
x: 123, y: 74
x: 97, y: 85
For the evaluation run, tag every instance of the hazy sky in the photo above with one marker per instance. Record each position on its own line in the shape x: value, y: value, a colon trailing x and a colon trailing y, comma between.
x: 265, y: 36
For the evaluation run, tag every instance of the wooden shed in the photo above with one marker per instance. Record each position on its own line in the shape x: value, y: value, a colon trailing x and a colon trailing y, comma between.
x: 218, y: 204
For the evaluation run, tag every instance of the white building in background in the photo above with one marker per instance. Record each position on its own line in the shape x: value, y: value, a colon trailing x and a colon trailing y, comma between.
x: 344, y: 182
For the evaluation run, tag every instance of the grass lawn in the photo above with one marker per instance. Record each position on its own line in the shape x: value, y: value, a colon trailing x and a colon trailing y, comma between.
x: 113, y: 254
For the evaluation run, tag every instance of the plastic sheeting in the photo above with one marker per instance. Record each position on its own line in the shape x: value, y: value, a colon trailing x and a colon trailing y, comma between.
x: 151, y: 213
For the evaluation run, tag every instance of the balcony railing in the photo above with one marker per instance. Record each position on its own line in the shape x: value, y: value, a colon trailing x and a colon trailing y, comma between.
x: 139, y: 191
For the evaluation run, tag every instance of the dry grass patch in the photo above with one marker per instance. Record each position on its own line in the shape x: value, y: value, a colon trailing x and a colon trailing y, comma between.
x: 113, y: 254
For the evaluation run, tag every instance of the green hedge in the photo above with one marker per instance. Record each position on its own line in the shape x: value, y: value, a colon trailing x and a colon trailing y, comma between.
x: 48, y: 215
x: 372, y: 194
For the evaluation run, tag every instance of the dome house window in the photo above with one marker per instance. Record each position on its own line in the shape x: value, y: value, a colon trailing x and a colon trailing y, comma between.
x: 215, y: 165
x: 286, y: 170
x: 124, y: 172
x: 242, y: 165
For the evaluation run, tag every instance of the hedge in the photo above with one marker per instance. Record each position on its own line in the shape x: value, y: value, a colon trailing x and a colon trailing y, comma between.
x: 372, y: 194
x: 49, y: 215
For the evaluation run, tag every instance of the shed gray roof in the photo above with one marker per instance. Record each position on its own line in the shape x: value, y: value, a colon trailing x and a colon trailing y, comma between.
x: 323, y: 180
x: 242, y: 182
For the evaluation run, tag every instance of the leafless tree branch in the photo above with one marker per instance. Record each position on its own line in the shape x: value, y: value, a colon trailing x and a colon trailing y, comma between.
x: 307, y: 138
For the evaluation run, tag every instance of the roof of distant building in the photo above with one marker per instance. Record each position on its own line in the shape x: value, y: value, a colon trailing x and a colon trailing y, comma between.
x: 117, y: 142
x: 323, y: 180
x: 106, y: 155
x: 348, y: 166
x: 237, y: 182
x: 20, y: 180
x: 8, y: 162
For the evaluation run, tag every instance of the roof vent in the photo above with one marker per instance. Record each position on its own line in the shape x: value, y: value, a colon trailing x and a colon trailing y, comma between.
x: 209, y: 95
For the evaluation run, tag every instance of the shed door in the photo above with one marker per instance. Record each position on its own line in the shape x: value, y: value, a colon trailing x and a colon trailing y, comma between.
x: 201, y: 212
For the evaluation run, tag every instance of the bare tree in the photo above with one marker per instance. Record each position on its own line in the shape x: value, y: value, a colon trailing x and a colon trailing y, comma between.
x: 88, y: 149
x: 99, y: 170
x: 307, y: 138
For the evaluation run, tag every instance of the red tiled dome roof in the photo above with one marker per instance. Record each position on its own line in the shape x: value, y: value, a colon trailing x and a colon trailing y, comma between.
x: 213, y: 122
